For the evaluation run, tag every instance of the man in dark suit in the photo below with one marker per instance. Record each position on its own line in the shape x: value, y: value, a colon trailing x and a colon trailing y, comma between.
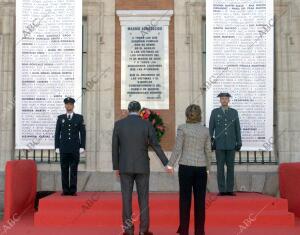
x: 225, y: 133
x: 69, y: 142
x: 131, y: 137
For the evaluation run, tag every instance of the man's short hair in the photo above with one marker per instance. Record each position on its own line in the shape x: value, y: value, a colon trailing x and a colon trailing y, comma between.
x: 134, y: 106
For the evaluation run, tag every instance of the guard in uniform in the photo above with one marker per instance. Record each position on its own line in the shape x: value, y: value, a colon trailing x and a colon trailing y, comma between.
x: 225, y: 133
x: 69, y: 142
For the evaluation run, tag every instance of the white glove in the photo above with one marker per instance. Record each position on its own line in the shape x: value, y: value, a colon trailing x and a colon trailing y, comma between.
x: 57, y: 150
x: 81, y: 150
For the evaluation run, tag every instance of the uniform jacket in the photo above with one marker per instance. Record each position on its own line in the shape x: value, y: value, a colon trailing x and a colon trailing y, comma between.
x: 225, y: 128
x: 70, y: 134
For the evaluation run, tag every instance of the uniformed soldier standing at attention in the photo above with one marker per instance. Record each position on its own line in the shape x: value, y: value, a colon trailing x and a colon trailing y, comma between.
x: 225, y: 133
x: 69, y: 142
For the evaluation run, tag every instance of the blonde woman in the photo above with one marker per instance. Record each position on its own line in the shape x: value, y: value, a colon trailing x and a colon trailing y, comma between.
x: 193, y: 150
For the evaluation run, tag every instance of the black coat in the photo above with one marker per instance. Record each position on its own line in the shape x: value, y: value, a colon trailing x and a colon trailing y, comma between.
x: 131, y: 138
x: 70, y: 134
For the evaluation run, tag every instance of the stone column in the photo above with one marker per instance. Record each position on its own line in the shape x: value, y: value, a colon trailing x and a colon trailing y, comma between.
x: 287, y: 77
x: 7, y: 104
x: 99, y: 95
x: 188, y: 56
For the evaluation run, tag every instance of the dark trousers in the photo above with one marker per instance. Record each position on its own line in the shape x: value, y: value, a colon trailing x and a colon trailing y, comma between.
x: 69, y: 168
x: 192, y: 178
x: 142, y: 187
x: 225, y: 157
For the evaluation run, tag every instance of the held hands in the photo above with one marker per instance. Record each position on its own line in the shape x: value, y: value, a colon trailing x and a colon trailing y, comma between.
x: 57, y: 150
x: 169, y: 170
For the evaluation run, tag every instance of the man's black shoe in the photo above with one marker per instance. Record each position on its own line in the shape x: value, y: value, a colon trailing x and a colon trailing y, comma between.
x: 65, y: 194
x: 230, y: 194
x: 146, y: 233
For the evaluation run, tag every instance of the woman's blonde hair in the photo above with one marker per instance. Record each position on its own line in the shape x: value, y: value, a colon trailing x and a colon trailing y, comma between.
x: 193, y: 113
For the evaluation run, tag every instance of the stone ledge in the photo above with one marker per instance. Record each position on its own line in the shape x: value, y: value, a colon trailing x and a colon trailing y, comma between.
x: 262, y: 182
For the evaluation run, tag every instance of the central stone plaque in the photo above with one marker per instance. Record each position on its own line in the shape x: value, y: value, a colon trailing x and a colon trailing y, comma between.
x: 145, y: 57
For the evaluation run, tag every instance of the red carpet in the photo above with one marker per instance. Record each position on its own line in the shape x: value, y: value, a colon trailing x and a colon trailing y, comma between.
x: 100, y: 213
x: 20, y: 187
x: 289, y: 176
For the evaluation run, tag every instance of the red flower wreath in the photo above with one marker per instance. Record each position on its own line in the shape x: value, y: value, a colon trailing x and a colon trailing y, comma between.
x: 156, y: 121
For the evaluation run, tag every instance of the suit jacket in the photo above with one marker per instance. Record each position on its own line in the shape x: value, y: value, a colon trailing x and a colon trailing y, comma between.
x: 225, y: 128
x: 131, y: 138
x: 192, y: 146
x: 70, y: 134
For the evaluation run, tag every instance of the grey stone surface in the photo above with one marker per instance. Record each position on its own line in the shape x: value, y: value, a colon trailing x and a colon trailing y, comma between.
x: 1, y: 201
x: 271, y: 186
x: 57, y: 181
x: 212, y: 184
x: 2, y: 181
x: 242, y: 181
x: 46, y: 181
x: 163, y: 182
x: 100, y: 180
x: 258, y: 182
x: 82, y: 180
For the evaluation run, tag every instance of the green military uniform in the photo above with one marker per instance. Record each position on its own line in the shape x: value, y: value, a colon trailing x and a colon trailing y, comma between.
x: 224, y: 128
